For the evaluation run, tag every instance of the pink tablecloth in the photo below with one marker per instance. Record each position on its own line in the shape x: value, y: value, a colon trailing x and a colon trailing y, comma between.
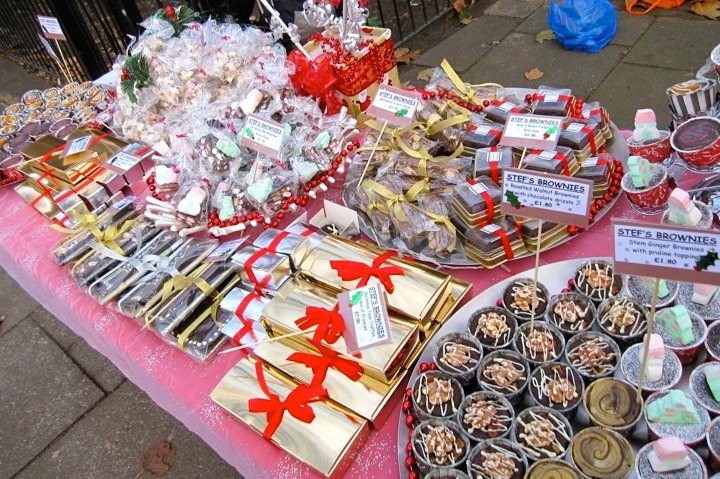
x: 181, y: 385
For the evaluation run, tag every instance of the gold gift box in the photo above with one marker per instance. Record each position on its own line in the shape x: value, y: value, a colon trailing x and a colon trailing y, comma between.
x: 37, y: 196
x: 328, y: 443
x: 381, y: 362
x: 286, y: 243
x: 70, y: 203
x: 417, y: 293
x: 366, y: 396
x: 105, y: 146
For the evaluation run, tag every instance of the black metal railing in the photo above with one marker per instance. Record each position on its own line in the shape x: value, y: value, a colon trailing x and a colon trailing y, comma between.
x: 97, y: 31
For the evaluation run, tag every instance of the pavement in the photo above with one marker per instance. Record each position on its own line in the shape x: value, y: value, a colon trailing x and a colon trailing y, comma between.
x: 67, y: 412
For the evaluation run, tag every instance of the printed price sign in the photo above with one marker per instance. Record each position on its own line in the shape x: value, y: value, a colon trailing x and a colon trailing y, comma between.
x: 669, y: 252
x: 51, y: 27
x: 532, y: 131
x: 263, y: 136
x: 394, y: 105
x: 542, y: 196
x: 78, y: 145
x: 121, y: 162
x: 364, y: 312
x: 48, y: 48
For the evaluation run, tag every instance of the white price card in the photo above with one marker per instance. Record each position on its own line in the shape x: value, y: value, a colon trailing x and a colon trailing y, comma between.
x: 543, y: 196
x: 669, y: 252
x: 394, y: 105
x: 78, y: 145
x: 532, y: 131
x: 51, y: 27
x: 364, y: 312
x: 263, y: 136
x: 122, y: 161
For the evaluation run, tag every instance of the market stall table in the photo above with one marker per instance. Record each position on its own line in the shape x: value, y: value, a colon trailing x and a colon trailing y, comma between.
x: 181, y: 385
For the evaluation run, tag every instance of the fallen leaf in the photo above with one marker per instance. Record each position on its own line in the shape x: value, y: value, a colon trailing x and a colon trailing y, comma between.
x: 459, y: 5
x: 373, y: 22
x: 545, y: 35
x: 159, y: 459
x: 468, y: 20
x: 426, y: 75
x: 464, y: 15
x: 404, y: 55
x: 707, y: 9
x: 405, y: 15
x: 534, y: 74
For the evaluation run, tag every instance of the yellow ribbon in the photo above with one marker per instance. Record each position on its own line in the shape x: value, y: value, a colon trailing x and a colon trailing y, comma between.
x: 89, y: 222
x: 421, y: 186
x: 186, y: 334
x: 181, y: 282
x: 393, y: 200
x: 459, y: 84
x: 443, y: 220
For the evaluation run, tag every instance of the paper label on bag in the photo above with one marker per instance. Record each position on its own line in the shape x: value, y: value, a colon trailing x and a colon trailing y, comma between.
x: 551, y: 98
x: 122, y: 162
x: 78, y: 145
x: 494, y: 157
x: 490, y: 229
x: 224, y: 251
x: 51, y: 27
x: 263, y: 136
x: 124, y: 202
x: 394, y: 105
x: 478, y: 188
x: 506, y: 106
x: 364, y: 312
x: 590, y: 162
x: 531, y: 131
x: 547, y: 155
x: 575, y: 127
x: 670, y: 252
x: 542, y: 196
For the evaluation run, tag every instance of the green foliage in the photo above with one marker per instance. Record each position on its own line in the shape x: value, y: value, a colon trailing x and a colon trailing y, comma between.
x: 135, y: 75
x: 704, y: 262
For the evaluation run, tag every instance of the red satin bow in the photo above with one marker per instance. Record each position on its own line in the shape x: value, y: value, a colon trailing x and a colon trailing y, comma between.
x: 329, y: 322
x: 351, y: 270
x: 316, y: 78
x: 326, y: 360
x: 297, y: 403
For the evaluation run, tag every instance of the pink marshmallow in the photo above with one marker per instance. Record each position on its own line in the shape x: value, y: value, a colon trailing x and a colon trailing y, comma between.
x: 645, y: 115
x: 670, y: 449
x: 657, y: 347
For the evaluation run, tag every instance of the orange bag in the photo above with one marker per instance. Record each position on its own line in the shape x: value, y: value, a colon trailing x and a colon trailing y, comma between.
x: 641, y: 7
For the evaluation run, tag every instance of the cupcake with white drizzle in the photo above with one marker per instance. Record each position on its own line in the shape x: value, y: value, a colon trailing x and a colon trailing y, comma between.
x: 572, y: 313
x: 504, y: 372
x: 539, y: 343
x: 459, y: 355
x: 518, y: 299
x: 597, y: 280
x: 494, y: 327
x: 436, y: 395
x: 623, y: 318
x: 485, y: 415
x: 497, y: 459
x: 558, y: 387
x: 593, y: 355
x: 438, y: 443
x: 542, y: 433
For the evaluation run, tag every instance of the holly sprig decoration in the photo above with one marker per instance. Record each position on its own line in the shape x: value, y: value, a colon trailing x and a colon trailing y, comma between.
x: 513, y: 199
x: 705, y: 261
x: 178, y: 17
x: 135, y: 75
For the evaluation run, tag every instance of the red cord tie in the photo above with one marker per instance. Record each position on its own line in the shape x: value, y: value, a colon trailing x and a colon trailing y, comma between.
x: 351, y: 270
x: 326, y: 360
x: 329, y: 322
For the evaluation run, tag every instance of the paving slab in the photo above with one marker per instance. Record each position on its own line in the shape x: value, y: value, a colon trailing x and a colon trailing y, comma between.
x: 54, y: 328
x: 110, y: 441
x: 15, y: 303
x: 631, y: 87
x: 15, y: 81
x: 630, y: 27
x: 96, y: 366
x: 675, y: 44
x: 514, y: 8
x: 518, y: 53
x: 467, y: 46
x: 409, y: 73
x: 42, y: 393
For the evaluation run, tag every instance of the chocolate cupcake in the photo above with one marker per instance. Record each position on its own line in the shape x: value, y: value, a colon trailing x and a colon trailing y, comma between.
x: 596, y: 280
x: 518, y: 299
x: 447, y: 473
x: 542, y: 433
x: 630, y: 365
x: 571, y: 313
x: 687, y: 353
x: 642, y: 289
x: 436, y: 395
x: 593, y: 355
x: 700, y: 390
x: 552, y: 469
x: 494, y: 327
x: 713, y: 440
x: 496, y: 459
x: 622, y: 318
x: 712, y: 341
x: 613, y: 404
x: 601, y: 453
x: 539, y: 343
x: 643, y: 469
x: 485, y: 415
x: 438, y: 443
x: 504, y: 372
x: 458, y: 355
x: 558, y: 387
x: 690, y: 434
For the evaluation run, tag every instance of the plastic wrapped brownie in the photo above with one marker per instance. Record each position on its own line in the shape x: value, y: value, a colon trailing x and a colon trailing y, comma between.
x: 552, y: 101
x: 596, y: 169
x: 482, y: 133
x: 578, y: 135
x: 547, y: 161
x: 487, y: 240
x: 491, y: 161
x: 470, y: 195
x: 499, y: 110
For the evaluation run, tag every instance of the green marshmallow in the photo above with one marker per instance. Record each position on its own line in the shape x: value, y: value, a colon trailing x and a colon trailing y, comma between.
x: 229, y: 148
x: 260, y: 190
x: 227, y: 208
x: 673, y: 408
x: 712, y: 376
x: 677, y: 322
x: 322, y: 140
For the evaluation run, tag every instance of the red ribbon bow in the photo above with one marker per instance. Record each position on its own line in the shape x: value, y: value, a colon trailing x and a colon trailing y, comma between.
x: 247, y: 324
x: 297, y: 403
x: 326, y: 360
x: 317, y: 79
x: 252, y: 277
x: 329, y: 322
x: 351, y: 270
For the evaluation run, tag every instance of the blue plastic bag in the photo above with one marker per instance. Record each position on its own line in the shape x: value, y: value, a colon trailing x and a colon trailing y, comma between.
x: 585, y: 25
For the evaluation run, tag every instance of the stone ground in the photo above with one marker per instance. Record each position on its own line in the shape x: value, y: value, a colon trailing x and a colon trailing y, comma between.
x: 68, y: 412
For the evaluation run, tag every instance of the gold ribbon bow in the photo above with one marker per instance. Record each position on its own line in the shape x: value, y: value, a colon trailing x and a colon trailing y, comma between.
x: 181, y: 282
x: 393, y: 200
x: 107, y: 238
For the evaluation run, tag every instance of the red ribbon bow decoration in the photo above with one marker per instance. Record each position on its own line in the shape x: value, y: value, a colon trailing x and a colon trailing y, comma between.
x: 351, y: 270
x: 327, y: 359
x: 315, y: 78
x: 329, y: 322
x: 297, y: 403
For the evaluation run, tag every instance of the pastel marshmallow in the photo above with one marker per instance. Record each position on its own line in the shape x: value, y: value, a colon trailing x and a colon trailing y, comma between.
x: 676, y: 321
x: 645, y: 125
x: 673, y: 408
x: 641, y: 171
x: 649, y: 285
x: 656, y: 355
x: 668, y: 454
x: 712, y: 376
x: 682, y: 210
x: 703, y: 293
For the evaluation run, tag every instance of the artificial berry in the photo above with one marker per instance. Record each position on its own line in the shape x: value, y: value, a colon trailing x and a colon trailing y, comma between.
x: 408, y: 448
x: 432, y: 94
x: 331, y: 172
x: 409, y: 420
x: 243, y: 219
x: 284, y: 206
x: 425, y: 96
x: 152, y: 187
x: 413, y: 475
x: 571, y: 282
x: 573, y: 230
x: 343, y: 154
x: 607, y: 197
x: 356, y: 143
x: 406, y: 405
x: 305, y: 198
x: 408, y: 392
x: 234, y: 221
x: 591, y: 218
x: 266, y: 226
x: 423, y: 367
x: 441, y: 93
x: 409, y: 462
x: 432, y: 367
x: 614, y: 190
x: 600, y: 203
x: 593, y: 210
x: 155, y: 195
x: 565, y: 290
x: 486, y: 103
x: 350, y: 147
x: 151, y: 180
x: 281, y: 215
x: 306, y: 188
x: 314, y: 183
x: 499, y: 303
x: 260, y: 219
